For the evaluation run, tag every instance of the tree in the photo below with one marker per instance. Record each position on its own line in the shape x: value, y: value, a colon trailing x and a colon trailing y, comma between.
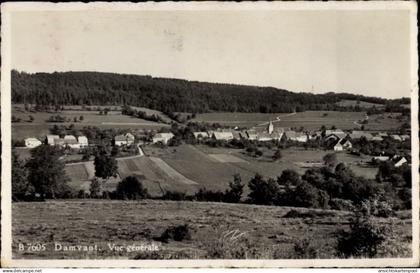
x: 20, y: 185
x: 330, y: 160
x: 46, y: 172
x: 289, y: 177
x: 95, y: 188
x: 364, y: 238
x: 277, y: 155
x: 81, y: 118
x: 31, y: 118
x: 264, y: 192
x: 234, y: 194
x: 105, y: 165
x: 131, y: 188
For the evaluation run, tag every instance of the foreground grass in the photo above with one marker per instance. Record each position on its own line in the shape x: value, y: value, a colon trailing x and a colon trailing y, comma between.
x: 217, y: 230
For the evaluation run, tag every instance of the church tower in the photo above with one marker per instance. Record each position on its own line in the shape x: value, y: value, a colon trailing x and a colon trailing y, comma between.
x: 270, y: 128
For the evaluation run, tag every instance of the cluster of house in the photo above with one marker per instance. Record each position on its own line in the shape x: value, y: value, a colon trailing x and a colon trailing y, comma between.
x: 397, y: 160
x: 341, y: 138
x: 55, y: 140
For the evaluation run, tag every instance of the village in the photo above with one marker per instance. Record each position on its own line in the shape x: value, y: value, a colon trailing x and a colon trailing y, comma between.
x: 338, y: 140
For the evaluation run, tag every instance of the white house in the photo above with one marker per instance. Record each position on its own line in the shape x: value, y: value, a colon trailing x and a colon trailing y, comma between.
x: 252, y: 134
x: 51, y: 139
x: 32, y: 142
x: 377, y: 138
x: 223, y: 135
x: 130, y: 138
x: 343, y: 144
x: 399, y: 161
x: 162, y: 138
x: 198, y: 135
x: 380, y: 158
x: 360, y: 134
x: 338, y: 133
x: 71, y: 141
x: 83, y: 141
x: 396, y: 137
x: 296, y: 136
x: 404, y: 137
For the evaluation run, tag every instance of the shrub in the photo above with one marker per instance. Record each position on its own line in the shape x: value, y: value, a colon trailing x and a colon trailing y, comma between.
x: 174, y: 195
x: 176, y: 233
x: 131, y: 188
x: 364, y: 238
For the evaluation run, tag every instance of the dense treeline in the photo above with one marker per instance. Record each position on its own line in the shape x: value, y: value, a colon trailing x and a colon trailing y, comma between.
x: 167, y: 95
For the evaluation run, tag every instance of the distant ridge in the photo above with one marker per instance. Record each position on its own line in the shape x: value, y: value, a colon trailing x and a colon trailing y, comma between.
x: 172, y: 95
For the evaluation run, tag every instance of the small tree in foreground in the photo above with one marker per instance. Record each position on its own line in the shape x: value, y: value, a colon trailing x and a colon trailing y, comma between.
x: 364, y: 238
x: 131, y: 188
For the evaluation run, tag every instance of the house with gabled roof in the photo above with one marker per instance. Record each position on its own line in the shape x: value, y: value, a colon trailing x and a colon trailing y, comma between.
x: 32, y: 142
x: 50, y: 139
x: 222, y: 135
x: 343, y: 144
x: 162, y: 138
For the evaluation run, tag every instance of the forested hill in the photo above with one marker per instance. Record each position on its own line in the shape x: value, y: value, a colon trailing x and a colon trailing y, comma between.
x: 167, y: 95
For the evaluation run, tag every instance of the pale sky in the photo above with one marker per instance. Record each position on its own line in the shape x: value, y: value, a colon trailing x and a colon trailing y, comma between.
x: 363, y: 52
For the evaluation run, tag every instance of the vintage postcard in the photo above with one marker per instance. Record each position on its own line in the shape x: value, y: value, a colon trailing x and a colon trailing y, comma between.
x: 209, y: 134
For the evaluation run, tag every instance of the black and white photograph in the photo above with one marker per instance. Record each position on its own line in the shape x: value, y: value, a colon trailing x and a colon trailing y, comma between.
x: 210, y: 134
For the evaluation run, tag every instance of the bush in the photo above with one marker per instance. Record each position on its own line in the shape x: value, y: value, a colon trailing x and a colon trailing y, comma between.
x: 263, y: 192
x: 131, y: 188
x: 364, y: 238
x: 176, y: 233
x: 174, y: 195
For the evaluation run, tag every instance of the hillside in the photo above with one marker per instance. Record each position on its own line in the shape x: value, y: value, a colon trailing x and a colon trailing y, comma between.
x: 168, y: 95
x: 216, y: 230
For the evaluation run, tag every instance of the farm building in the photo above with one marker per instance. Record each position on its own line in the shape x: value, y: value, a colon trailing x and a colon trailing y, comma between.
x: 360, y: 134
x: 380, y: 158
x: 222, y: 135
x: 243, y: 135
x: 336, y: 132
x: 236, y: 135
x: 71, y: 141
x: 126, y: 139
x: 162, y: 138
x: 32, y: 142
x: 296, y: 136
x: 342, y: 144
x: 50, y: 139
x: 252, y: 134
x: 198, y: 135
x: 404, y: 137
x: 130, y: 138
x: 396, y: 137
x: 399, y: 160
x: 377, y: 138
x: 83, y: 141
x: 382, y: 134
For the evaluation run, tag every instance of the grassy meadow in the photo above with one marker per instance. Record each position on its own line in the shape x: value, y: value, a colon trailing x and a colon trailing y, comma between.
x: 265, y: 232
x: 39, y: 127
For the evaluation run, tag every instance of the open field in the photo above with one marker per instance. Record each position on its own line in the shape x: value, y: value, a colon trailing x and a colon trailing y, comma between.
x: 39, y: 127
x: 202, y: 163
x: 153, y: 176
x: 238, y: 119
x: 267, y: 232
